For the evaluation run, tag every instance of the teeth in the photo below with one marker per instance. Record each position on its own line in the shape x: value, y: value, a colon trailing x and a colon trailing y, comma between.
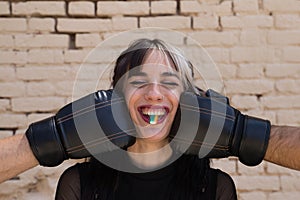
x: 149, y: 111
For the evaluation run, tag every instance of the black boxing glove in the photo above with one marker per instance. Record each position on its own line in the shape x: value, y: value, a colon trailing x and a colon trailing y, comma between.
x: 84, y: 127
x: 210, y: 127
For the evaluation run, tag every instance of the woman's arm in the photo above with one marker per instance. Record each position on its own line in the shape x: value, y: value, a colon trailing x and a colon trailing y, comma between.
x: 15, y: 156
x: 284, y: 146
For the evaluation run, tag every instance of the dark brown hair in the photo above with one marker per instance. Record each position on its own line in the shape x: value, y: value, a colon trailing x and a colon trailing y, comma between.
x: 136, y: 53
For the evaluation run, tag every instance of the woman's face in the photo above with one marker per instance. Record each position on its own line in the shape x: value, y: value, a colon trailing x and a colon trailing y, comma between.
x: 152, y: 93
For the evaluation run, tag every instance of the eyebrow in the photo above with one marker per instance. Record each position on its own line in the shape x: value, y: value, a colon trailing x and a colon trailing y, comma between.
x: 164, y: 74
x: 137, y: 74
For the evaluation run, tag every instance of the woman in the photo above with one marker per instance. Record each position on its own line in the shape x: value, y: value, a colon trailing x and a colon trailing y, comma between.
x: 151, y: 75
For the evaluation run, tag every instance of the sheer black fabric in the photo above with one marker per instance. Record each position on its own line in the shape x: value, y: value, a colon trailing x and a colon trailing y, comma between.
x: 157, y: 185
x: 69, y: 184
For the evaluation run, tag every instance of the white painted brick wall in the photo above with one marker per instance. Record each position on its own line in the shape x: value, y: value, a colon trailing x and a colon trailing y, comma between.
x: 13, y: 57
x: 170, y: 22
x: 253, y: 195
x: 39, y: 7
x: 252, y: 37
x: 48, y: 72
x: 284, y: 37
x: 291, y: 54
x: 284, y: 195
x: 48, y: 56
x: 254, y: 44
x: 41, y: 25
x: 13, y: 25
x: 288, y: 86
x: 124, y: 23
x: 287, y: 21
x: 4, y: 8
x: 219, y: 55
x: 111, y: 8
x: 240, y: 54
x: 251, y: 21
x: 7, y: 73
x: 6, y: 41
x: 81, y: 8
x: 41, y: 41
x: 280, y: 6
x: 163, y: 7
x: 244, y: 102
x: 87, y: 40
x: 212, y: 38
x: 12, y: 89
x: 83, y: 25
x: 37, y: 104
x: 256, y: 182
x: 75, y: 56
x: 12, y: 120
x: 4, y: 105
x: 205, y: 22
x: 4, y: 134
x: 245, y: 6
x: 253, y: 86
x: 192, y: 7
x: 250, y: 71
x: 283, y: 70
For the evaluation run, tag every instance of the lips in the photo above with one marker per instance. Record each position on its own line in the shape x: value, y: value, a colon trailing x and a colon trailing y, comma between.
x: 153, y: 114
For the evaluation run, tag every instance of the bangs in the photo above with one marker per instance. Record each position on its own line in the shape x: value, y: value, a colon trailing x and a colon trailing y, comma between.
x: 139, y: 50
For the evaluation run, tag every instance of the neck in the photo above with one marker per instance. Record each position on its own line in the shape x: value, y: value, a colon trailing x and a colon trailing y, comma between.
x: 147, y: 155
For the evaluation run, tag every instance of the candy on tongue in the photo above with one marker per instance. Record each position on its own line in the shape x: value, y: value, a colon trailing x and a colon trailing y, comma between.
x: 153, y: 119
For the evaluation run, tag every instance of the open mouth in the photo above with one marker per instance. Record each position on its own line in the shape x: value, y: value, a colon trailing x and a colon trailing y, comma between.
x: 153, y: 114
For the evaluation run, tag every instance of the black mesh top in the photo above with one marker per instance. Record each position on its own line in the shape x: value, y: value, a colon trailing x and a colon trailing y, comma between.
x: 154, y: 185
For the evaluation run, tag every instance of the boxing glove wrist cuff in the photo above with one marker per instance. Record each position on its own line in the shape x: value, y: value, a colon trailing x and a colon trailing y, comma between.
x: 254, y: 141
x: 45, y: 142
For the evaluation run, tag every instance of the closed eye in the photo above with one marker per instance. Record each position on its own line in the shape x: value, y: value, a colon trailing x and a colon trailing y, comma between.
x: 170, y: 83
x: 138, y: 83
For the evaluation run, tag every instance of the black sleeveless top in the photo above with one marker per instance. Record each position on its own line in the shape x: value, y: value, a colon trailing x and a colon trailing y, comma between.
x: 78, y: 183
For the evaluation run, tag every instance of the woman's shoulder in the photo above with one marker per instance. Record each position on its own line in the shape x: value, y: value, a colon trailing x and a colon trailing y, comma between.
x: 69, y: 184
x: 225, y: 187
x: 220, y: 174
x: 72, y: 171
x: 222, y: 177
x: 72, y: 175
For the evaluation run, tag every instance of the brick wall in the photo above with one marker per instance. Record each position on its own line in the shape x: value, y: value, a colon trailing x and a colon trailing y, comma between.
x: 254, y: 43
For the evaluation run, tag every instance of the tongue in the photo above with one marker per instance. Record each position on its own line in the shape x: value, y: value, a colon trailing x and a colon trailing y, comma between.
x: 153, y: 119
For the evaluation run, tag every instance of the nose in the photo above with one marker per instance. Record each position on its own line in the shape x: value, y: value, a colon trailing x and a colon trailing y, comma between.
x: 153, y: 93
